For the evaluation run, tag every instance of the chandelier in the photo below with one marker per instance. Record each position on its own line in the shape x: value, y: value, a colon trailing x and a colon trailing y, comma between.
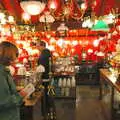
x: 32, y: 7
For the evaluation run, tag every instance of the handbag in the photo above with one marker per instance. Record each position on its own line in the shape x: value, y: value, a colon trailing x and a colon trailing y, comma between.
x: 51, y: 91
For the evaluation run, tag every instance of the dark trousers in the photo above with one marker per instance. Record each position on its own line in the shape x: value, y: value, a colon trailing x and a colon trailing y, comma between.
x: 45, y: 100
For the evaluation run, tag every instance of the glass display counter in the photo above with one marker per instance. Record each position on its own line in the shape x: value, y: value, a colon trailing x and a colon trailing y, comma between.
x: 87, y: 74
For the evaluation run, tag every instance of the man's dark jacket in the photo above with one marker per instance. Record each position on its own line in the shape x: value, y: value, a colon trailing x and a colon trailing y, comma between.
x: 44, y: 59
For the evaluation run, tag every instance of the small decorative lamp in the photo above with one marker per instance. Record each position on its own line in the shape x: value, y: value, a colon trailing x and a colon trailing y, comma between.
x: 47, y: 19
x: 62, y: 30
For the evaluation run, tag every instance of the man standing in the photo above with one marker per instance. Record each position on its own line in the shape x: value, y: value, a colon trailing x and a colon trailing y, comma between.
x: 44, y: 60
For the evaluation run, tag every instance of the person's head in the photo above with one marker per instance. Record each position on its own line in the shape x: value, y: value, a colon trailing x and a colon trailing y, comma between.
x: 8, y: 53
x: 41, y: 45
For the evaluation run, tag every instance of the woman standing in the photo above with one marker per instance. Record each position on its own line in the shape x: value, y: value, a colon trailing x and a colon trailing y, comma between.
x: 10, y: 100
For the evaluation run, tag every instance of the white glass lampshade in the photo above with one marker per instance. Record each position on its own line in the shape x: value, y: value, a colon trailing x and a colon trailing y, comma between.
x: 32, y: 7
x: 26, y: 16
x: 101, y: 54
x: 61, y: 43
x: 47, y: 18
x: 2, y: 15
x: 109, y: 19
x: 62, y: 27
x: 11, y: 19
x: 90, y: 51
x: 62, y: 30
x: 88, y: 23
x: 83, y: 6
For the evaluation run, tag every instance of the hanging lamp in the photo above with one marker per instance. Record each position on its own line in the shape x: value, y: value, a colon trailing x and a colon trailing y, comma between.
x: 47, y: 19
x: 32, y: 7
x: 62, y: 30
x: 100, y: 26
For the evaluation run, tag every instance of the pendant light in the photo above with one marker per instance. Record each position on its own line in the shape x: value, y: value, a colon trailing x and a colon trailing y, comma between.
x: 32, y: 7
x: 100, y: 26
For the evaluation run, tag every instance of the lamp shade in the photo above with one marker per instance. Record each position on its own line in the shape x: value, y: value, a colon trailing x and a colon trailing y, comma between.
x: 62, y: 30
x: 32, y: 7
x: 62, y: 27
x: 47, y: 18
x: 100, y: 26
x: 109, y: 19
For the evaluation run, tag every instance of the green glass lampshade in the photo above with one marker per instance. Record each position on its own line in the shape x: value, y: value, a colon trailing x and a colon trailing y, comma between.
x: 100, y: 26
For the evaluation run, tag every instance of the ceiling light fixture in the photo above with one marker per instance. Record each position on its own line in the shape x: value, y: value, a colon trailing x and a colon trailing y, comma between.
x: 32, y: 7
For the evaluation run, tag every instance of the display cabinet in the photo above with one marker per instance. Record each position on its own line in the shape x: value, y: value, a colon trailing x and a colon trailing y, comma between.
x: 87, y: 74
x: 63, y: 78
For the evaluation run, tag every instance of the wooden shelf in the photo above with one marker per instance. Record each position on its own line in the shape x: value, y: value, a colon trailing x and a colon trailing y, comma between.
x: 63, y: 74
x: 65, y: 87
x: 65, y: 97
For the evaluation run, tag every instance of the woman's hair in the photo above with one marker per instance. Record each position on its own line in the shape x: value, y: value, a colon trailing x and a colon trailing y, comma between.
x: 8, y: 52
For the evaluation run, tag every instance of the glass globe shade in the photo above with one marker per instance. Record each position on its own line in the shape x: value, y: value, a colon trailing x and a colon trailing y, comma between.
x: 32, y: 7
x: 96, y: 43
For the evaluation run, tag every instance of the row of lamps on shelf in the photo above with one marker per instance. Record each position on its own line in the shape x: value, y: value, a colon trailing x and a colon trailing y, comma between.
x: 7, y: 23
x: 34, y: 7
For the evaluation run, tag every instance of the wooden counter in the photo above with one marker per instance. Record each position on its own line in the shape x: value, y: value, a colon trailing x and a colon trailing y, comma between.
x: 32, y: 107
x: 33, y: 100
x: 110, y: 78
x: 107, y: 77
x: 31, y: 110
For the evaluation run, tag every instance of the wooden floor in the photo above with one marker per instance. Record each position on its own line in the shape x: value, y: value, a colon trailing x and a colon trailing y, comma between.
x: 65, y: 109
x: 88, y: 106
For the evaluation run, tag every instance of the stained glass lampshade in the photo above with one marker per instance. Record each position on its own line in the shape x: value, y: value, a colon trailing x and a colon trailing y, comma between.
x: 100, y: 26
